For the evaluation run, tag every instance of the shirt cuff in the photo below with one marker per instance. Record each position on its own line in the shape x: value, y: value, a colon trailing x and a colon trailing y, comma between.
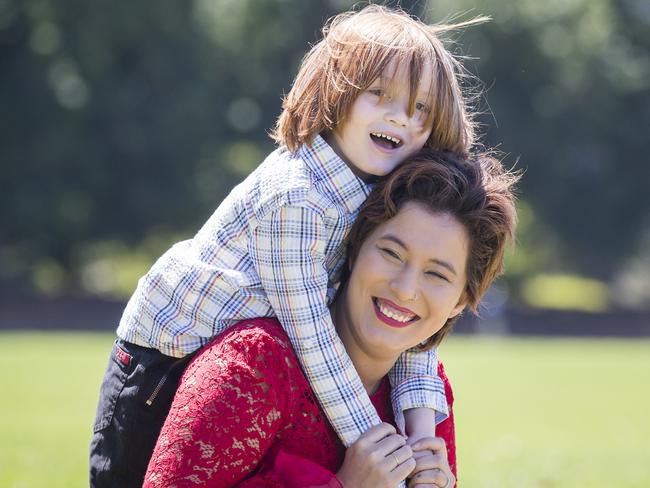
x: 419, y: 392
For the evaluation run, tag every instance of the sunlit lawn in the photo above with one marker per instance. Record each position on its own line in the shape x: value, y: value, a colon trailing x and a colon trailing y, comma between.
x: 530, y: 412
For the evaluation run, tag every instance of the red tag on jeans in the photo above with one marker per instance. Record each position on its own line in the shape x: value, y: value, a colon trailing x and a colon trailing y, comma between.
x: 123, y: 356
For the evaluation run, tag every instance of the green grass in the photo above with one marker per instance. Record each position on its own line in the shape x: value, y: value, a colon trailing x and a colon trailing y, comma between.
x: 551, y: 412
x: 49, y: 393
x: 529, y: 412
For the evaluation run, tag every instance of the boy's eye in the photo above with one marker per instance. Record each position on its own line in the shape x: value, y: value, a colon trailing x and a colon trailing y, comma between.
x: 422, y: 107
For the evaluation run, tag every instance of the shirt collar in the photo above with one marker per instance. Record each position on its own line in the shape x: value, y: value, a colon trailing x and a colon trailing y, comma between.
x: 332, y: 172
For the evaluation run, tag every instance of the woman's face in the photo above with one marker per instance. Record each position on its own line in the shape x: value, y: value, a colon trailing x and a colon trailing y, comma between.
x: 407, y: 281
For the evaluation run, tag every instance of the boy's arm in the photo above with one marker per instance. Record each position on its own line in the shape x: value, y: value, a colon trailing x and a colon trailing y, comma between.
x: 288, y: 250
x: 419, y: 422
x: 417, y: 392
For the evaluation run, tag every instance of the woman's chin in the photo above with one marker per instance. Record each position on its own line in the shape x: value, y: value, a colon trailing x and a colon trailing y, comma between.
x: 384, y: 342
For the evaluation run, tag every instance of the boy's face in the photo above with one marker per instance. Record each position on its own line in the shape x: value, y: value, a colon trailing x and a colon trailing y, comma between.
x: 379, y: 133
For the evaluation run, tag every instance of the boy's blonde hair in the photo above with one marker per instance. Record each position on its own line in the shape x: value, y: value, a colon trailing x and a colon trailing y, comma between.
x: 355, y: 50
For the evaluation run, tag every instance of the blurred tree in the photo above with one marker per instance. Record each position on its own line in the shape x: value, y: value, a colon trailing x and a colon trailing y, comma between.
x: 569, y: 93
x: 125, y: 118
x: 121, y: 121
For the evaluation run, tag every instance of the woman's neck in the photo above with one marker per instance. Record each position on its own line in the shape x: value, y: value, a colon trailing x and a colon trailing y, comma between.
x: 370, y: 372
x: 371, y: 369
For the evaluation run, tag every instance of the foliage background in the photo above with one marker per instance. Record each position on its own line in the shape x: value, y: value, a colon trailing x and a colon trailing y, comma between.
x: 126, y: 124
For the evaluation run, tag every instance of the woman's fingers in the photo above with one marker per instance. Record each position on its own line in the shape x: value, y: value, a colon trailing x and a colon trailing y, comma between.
x: 399, y: 456
x: 430, y: 461
x: 432, y: 467
x: 434, y: 444
x: 377, y: 432
x: 379, y: 458
x: 432, y: 477
x: 403, y: 470
x: 383, y: 442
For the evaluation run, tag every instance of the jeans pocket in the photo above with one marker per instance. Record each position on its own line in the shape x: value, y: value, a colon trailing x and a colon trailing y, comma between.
x: 119, y: 365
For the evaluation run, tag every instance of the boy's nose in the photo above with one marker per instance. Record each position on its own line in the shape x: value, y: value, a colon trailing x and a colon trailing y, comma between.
x: 397, y: 113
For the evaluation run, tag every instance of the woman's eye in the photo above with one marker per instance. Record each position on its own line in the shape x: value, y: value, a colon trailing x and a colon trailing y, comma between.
x: 375, y: 91
x: 389, y: 252
x: 436, y: 275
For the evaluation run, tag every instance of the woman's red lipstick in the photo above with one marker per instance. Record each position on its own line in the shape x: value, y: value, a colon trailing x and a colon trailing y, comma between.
x: 389, y: 320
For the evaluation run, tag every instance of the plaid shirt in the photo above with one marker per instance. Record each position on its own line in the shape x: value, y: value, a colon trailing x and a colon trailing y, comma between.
x: 274, y: 247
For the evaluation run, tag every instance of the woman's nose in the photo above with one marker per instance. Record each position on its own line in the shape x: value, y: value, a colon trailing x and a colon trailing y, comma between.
x: 405, y: 285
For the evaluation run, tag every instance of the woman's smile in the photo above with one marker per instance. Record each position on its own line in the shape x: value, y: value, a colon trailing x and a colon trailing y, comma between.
x: 392, y: 314
x: 406, y: 282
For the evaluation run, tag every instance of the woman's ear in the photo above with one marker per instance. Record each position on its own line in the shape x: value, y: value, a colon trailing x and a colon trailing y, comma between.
x: 460, y: 306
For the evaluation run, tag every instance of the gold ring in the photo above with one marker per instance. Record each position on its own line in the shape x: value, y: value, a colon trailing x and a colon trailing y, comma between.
x: 396, y: 459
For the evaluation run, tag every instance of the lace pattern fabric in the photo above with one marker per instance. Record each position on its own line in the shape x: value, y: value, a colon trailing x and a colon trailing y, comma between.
x: 243, y: 406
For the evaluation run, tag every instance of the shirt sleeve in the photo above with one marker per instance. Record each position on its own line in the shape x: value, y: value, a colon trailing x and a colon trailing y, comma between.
x: 416, y: 384
x: 233, y: 398
x: 288, y: 249
x: 447, y: 428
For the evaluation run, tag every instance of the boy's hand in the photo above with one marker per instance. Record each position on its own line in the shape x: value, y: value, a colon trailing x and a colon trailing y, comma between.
x: 432, y: 467
x: 379, y: 458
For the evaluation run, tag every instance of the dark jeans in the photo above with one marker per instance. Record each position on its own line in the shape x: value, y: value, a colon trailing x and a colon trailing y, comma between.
x: 134, y: 399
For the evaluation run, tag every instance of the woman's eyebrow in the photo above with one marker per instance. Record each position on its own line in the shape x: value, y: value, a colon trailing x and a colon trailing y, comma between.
x: 439, y: 262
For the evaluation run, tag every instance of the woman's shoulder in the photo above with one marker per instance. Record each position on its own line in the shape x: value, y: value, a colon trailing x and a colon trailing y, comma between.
x: 260, y: 343
x: 264, y: 329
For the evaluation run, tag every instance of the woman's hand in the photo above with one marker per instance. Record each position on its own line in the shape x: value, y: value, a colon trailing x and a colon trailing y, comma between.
x: 432, y: 468
x: 379, y: 458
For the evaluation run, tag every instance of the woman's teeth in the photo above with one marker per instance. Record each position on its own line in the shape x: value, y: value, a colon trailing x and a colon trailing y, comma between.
x: 394, y: 314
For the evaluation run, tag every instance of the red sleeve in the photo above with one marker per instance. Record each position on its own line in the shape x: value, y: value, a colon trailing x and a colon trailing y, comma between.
x: 446, y: 429
x: 292, y: 471
x: 232, y: 399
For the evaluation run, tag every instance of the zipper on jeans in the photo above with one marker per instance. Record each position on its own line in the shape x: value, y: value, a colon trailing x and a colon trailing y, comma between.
x: 162, y: 382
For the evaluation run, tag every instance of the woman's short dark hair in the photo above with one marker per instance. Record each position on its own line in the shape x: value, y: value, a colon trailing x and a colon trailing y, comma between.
x: 476, y: 190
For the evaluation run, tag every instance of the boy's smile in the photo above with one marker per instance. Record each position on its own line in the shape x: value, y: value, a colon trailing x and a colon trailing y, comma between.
x: 379, y: 133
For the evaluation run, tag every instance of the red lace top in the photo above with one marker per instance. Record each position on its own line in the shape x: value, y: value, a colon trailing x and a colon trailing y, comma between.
x: 244, y: 415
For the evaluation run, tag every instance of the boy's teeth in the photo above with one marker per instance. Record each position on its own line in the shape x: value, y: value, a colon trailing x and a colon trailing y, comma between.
x: 394, y: 140
x: 394, y: 314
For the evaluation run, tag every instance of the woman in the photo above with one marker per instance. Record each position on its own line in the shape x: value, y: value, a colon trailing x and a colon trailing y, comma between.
x: 427, y: 243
